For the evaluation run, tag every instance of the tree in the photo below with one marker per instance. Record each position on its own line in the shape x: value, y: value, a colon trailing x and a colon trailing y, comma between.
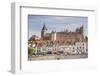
x: 30, y: 51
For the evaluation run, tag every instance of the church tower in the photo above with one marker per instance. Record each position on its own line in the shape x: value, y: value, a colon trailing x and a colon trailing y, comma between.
x: 43, y: 31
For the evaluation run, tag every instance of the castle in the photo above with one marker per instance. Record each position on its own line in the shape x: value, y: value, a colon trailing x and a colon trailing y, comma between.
x: 58, y: 43
x: 63, y: 36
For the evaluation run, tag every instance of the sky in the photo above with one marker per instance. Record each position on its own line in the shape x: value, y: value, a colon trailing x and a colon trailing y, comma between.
x: 55, y: 23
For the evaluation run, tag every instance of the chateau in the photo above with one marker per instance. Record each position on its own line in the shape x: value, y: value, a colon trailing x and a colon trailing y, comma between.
x: 68, y: 42
x: 63, y: 36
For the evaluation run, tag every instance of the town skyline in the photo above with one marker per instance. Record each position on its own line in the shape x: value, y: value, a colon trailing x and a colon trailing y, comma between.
x: 55, y: 23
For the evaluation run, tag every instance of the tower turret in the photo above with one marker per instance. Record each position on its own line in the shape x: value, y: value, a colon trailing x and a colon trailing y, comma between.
x: 53, y: 36
x: 81, y: 29
x: 43, y: 31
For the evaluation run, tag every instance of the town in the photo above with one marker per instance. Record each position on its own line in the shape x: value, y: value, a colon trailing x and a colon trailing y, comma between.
x: 58, y: 45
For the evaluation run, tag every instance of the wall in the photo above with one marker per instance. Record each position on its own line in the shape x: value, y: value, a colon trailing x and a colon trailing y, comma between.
x: 5, y: 33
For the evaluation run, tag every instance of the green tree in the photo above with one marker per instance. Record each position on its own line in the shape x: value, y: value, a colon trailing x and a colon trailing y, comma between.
x: 30, y: 51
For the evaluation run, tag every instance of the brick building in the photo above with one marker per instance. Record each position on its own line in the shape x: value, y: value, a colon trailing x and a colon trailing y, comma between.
x: 63, y: 37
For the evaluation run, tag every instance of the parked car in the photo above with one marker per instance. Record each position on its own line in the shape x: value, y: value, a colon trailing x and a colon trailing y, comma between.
x: 49, y: 52
x: 73, y: 52
x: 54, y: 52
x: 60, y: 52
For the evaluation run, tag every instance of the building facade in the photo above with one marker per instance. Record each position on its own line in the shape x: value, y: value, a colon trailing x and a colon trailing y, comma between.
x: 63, y: 37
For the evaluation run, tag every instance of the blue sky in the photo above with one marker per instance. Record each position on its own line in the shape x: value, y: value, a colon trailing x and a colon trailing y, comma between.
x: 55, y: 23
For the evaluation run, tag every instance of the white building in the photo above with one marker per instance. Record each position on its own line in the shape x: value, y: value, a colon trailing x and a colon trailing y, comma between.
x: 77, y: 48
x: 82, y: 46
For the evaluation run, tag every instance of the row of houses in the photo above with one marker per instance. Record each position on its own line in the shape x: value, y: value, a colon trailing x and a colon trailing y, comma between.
x: 77, y: 48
